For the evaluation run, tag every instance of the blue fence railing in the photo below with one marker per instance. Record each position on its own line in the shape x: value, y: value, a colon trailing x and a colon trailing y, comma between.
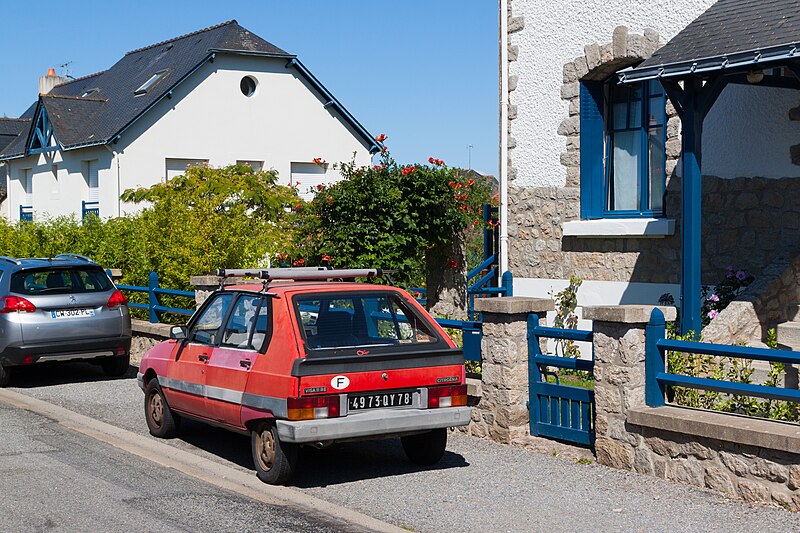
x: 153, y: 305
x: 471, y: 335
x: 26, y: 213
x: 558, y: 411
x: 658, y: 379
x: 89, y: 208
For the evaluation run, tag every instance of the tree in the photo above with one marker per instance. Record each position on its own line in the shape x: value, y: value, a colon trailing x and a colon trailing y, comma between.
x: 211, y: 218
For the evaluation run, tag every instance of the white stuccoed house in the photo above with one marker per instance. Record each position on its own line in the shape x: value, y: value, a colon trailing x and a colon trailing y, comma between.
x: 217, y: 96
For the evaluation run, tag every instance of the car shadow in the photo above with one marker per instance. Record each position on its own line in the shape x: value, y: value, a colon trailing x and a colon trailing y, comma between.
x: 61, y: 373
x: 356, y: 461
x: 340, y: 463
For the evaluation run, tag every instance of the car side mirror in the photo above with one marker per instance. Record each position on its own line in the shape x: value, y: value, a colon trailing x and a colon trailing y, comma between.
x: 178, y: 333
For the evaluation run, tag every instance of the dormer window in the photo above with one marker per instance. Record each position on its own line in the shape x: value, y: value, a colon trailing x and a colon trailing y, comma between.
x: 146, y: 86
x: 90, y: 92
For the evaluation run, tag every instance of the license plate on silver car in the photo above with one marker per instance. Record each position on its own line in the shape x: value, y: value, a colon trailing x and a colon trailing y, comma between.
x: 377, y: 401
x: 71, y: 313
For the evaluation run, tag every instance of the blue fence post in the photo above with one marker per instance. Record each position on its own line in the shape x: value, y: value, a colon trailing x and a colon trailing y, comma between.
x: 534, y: 376
x: 508, y: 283
x: 654, y: 363
x: 152, y: 298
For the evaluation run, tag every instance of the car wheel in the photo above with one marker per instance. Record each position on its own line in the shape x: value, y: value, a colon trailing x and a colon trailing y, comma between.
x: 116, y: 366
x: 4, y: 376
x: 160, y: 419
x: 275, y: 461
x: 426, y: 448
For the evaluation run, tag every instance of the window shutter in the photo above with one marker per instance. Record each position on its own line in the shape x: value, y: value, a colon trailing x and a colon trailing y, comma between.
x: 592, y: 136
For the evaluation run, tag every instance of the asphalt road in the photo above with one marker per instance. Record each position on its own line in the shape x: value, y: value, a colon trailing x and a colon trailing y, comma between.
x: 478, y: 486
x: 55, y: 479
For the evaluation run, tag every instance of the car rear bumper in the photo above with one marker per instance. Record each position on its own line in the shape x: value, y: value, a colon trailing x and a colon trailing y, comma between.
x: 65, y: 350
x: 373, y: 424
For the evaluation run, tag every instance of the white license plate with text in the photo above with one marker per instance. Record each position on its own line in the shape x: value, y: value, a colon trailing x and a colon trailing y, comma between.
x: 71, y: 313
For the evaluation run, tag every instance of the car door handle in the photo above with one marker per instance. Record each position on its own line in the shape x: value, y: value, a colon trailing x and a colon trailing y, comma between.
x: 245, y: 363
x: 203, y: 358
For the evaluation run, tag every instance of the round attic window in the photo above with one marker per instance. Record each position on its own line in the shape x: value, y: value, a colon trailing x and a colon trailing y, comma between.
x: 248, y: 86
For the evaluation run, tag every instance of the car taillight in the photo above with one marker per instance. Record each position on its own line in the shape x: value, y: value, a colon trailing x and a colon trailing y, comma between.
x: 117, y: 299
x: 312, y: 407
x: 449, y: 396
x: 17, y: 303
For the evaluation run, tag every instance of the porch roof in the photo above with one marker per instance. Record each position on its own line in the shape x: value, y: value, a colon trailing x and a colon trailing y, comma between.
x: 731, y: 35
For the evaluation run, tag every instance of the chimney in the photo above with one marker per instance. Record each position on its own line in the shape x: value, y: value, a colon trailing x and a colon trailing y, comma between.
x: 50, y: 80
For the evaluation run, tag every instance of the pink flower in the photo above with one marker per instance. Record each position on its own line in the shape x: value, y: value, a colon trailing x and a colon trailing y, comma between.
x: 713, y: 298
x: 713, y: 314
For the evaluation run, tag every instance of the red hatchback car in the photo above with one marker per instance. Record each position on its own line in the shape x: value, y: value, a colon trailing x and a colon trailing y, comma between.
x: 311, y: 362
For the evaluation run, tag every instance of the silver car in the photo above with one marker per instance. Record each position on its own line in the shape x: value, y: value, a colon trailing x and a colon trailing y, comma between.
x: 63, y: 308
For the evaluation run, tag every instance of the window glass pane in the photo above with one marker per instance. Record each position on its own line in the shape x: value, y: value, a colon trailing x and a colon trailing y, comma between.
x: 206, y: 328
x: 364, y: 320
x: 620, y: 114
x: 635, y: 120
x: 63, y: 280
x: 656, y: 174
x: 239, y: 328
x: 260, y: 329
x: 624, y: 186
x: 656, y: 112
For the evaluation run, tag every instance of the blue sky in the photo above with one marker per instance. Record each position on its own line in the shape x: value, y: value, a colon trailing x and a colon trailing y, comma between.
x: 424, y: 72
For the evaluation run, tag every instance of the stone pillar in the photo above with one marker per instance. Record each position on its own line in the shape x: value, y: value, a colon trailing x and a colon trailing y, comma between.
x: 619, y: 336
x: 205, y: 285
x: 501, y: 413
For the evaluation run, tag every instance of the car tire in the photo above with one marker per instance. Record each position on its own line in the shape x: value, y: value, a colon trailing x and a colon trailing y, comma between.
x: 427, y: 448
x: 116, y: 366
x: 275, y: 461
x: 4, y: 376
x: 161, y: 421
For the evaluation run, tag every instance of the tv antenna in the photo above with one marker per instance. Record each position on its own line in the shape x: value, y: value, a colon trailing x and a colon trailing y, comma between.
x: 65, y: 70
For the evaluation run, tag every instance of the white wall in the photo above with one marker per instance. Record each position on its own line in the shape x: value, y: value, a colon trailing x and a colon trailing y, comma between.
x: 554, y: 34
x: 208, y: 118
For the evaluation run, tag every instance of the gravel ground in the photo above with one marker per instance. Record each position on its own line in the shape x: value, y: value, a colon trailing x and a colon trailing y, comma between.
x: 478, y: 486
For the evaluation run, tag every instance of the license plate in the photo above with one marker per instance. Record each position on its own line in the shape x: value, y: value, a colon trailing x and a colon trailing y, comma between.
x: 71, y: 313
x: 377, y: 401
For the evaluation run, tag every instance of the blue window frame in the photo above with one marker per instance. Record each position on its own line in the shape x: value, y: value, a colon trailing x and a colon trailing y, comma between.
x: 623, y: 132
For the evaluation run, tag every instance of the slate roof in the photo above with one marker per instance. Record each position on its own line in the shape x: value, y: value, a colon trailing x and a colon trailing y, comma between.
x: 10, y: 128
x: 730, y: 34
x: 101, y: 116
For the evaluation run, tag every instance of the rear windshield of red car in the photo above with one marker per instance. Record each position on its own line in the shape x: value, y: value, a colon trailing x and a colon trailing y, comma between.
x: 68, y: 280
x: 336, y: 321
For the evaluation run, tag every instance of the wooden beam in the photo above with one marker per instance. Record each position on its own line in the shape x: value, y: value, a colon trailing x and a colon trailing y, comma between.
x: 675, y: 94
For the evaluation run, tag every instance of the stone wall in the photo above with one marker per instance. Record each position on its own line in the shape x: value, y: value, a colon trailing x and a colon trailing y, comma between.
x: 749, y: 223
x: 761, y: 306
x: 756, y: 460
x: 145, y: 336
x: 501, y: 413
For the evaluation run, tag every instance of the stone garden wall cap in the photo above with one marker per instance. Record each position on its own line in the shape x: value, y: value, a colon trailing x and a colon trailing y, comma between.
x: 626, y: 314
x: 513, y: 305
x: 213, y: 281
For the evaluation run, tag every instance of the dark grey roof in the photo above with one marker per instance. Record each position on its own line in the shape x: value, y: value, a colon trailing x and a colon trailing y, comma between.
x: 112, y: 106
x: 730, y: 34
x: 10, y: 128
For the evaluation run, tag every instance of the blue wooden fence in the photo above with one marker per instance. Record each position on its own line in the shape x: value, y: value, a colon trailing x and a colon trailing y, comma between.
x: 153, y: 305
x: 658, y: 379
x: 558, y: 411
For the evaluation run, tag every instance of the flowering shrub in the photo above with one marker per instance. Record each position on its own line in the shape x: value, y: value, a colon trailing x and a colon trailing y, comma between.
x: 390, y: 215
x: 731, y: 286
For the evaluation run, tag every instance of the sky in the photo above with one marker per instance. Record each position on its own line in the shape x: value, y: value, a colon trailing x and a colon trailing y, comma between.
x: 423, y: 72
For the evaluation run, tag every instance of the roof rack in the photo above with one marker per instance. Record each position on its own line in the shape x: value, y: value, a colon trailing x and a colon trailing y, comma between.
x: 10, y: 259
x: 74, y: 256
x: 302, y: 273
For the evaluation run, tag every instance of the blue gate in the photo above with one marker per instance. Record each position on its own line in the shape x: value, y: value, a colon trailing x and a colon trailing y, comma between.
x: 558, y: 411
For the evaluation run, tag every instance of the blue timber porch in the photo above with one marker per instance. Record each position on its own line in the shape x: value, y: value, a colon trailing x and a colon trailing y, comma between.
x: 758, y: 50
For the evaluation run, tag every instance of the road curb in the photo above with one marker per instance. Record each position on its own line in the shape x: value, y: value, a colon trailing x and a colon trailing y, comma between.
x: 188, y: 463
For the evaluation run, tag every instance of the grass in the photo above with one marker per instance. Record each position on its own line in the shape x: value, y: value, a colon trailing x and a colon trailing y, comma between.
x: 574, y: 380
